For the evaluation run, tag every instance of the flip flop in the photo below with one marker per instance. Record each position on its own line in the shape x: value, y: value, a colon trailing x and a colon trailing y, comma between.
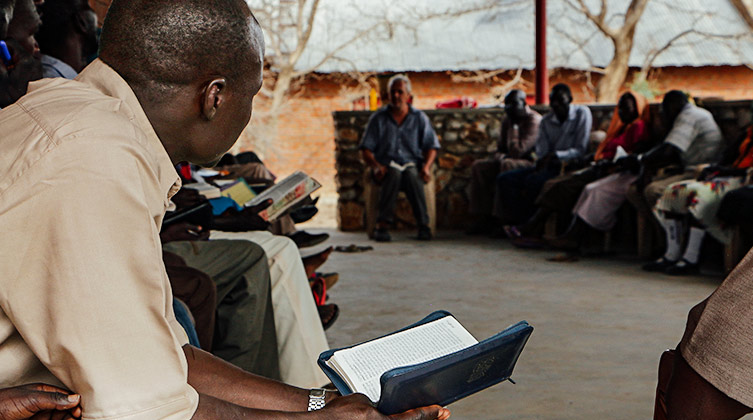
x: 353, y: 248
x: 329, y: 278
x: 328, y: 314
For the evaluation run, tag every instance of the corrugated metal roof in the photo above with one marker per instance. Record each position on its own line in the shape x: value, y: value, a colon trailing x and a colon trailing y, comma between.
x: 505, y: 38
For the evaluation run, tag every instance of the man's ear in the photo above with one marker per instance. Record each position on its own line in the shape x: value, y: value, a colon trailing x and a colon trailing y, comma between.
x: 213, y: 98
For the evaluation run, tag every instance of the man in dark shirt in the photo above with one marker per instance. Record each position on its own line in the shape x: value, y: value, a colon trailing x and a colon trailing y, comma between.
x: 400, y: 146
x: 520, y: 128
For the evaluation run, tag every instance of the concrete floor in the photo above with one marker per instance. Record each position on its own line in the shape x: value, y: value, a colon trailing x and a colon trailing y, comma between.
x: 600, y: 324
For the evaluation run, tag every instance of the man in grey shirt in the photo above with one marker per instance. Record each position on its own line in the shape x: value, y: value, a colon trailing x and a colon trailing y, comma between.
x: 400, y: 145
x: 563, y: 136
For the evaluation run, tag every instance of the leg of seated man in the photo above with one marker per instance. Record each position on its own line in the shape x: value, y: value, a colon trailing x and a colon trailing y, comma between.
x: 510, y: 193
x: 483, y: 174
x: 300, y: 335
x: 413, y: 186
x: 245, y: 330
x: 198, y: 291
x: 389, y: 188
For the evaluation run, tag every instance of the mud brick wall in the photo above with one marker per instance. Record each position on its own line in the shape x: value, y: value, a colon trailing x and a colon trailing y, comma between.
x: 467, y: 135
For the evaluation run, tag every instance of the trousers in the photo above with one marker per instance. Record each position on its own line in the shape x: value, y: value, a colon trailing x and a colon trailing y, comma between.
x: 245, y: 333
x: 300, y: 336
x: 409, y: 181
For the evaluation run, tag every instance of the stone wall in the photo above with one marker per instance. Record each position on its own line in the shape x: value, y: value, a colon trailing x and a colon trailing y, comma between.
x: 466, y: 135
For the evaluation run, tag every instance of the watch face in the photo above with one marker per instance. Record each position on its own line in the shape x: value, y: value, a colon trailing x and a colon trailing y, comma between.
x: 317, y: 393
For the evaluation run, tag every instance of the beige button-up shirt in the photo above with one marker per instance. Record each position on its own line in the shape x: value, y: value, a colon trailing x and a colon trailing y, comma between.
x: 84, y: 298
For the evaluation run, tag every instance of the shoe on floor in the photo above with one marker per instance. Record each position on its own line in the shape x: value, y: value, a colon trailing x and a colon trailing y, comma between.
x: 304, y: 239
x: 303, y: 214
x: 683, y: 268
x: 381, y: 235
x: 659, y: 265
x: 424, y: 233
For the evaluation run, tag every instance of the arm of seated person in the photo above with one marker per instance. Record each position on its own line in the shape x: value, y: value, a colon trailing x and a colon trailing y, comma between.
x: 226, y: 390
x: 247, y: 219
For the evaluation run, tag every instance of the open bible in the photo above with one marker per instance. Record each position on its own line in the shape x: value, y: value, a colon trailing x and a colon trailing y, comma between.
x: 285, y: 194
x: 435, y: 361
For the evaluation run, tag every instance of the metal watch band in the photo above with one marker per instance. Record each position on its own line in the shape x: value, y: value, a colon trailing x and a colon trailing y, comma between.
x: 316, y: 399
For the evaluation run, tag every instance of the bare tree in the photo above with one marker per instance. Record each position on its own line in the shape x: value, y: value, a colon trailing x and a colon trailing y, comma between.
x: 621, y: 37
x: 289, y: 25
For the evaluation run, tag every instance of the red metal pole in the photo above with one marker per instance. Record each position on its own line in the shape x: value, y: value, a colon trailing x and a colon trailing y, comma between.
x: 542, y: 73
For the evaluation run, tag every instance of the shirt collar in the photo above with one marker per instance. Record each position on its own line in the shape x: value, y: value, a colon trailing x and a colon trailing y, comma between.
x: 61, y: 67
x: 103, y: 78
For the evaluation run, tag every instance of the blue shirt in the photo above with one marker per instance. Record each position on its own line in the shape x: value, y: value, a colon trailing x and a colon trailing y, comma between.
x: 404, y: 143
x: 568, y: 139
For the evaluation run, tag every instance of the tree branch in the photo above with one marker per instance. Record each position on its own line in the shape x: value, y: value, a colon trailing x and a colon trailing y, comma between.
x: 599, y: 21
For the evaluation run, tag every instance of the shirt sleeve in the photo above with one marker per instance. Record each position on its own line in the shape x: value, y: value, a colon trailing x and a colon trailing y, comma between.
x: 581, y: 136
x: 90, y: 295
x: 683, y: 132
x: 429, y: 138
x: 371, y: 134
x: 543, y: 140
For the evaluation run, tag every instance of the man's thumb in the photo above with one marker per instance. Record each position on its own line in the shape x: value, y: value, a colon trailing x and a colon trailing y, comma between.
x: 42, y: 401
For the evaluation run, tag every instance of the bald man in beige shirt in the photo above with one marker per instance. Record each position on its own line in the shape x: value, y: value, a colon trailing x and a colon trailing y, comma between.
x: 86, y: 173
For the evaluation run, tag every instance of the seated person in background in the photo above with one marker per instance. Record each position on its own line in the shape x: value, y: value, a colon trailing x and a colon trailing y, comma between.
x: 520, y: 129
x: 25, y: 65
x: 257, y: 173
x: 712, y: 374
x: 628, y: 129
x: 693, y: 139
x: 84, y: 297
x: 700, y: 200
x: 399, y: 145
x: 38, y: 401
x: 563, y: 137
x: 67, y: 37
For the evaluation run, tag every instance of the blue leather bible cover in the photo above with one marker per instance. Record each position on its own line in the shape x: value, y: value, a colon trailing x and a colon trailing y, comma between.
x: 449, y: 378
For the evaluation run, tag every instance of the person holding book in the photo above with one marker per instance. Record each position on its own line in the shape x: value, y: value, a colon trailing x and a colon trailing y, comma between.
x: 400, y: 145
x: 84, y: 297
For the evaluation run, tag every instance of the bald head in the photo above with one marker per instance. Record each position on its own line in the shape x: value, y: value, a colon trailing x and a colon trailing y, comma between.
x: 164, y: 44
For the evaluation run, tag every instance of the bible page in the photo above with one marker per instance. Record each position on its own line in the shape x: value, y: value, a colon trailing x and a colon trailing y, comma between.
x: 363, y: 365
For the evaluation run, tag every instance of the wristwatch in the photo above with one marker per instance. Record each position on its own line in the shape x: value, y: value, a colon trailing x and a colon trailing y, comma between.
x: 316, y: 399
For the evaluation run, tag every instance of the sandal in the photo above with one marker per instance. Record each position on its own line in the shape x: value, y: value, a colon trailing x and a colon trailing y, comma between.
x: 328, y: 314
x: 329, y: 278
x: 353, y: 248
x: 319, y: 290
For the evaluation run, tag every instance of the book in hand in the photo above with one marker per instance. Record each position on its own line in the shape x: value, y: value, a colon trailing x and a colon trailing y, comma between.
x: 285, y: 194
x: 435, y: 361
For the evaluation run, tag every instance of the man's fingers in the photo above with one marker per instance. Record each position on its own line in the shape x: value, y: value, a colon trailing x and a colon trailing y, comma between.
x: 261, y: 206
x: 42, y: 401
x: 432, y: 412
